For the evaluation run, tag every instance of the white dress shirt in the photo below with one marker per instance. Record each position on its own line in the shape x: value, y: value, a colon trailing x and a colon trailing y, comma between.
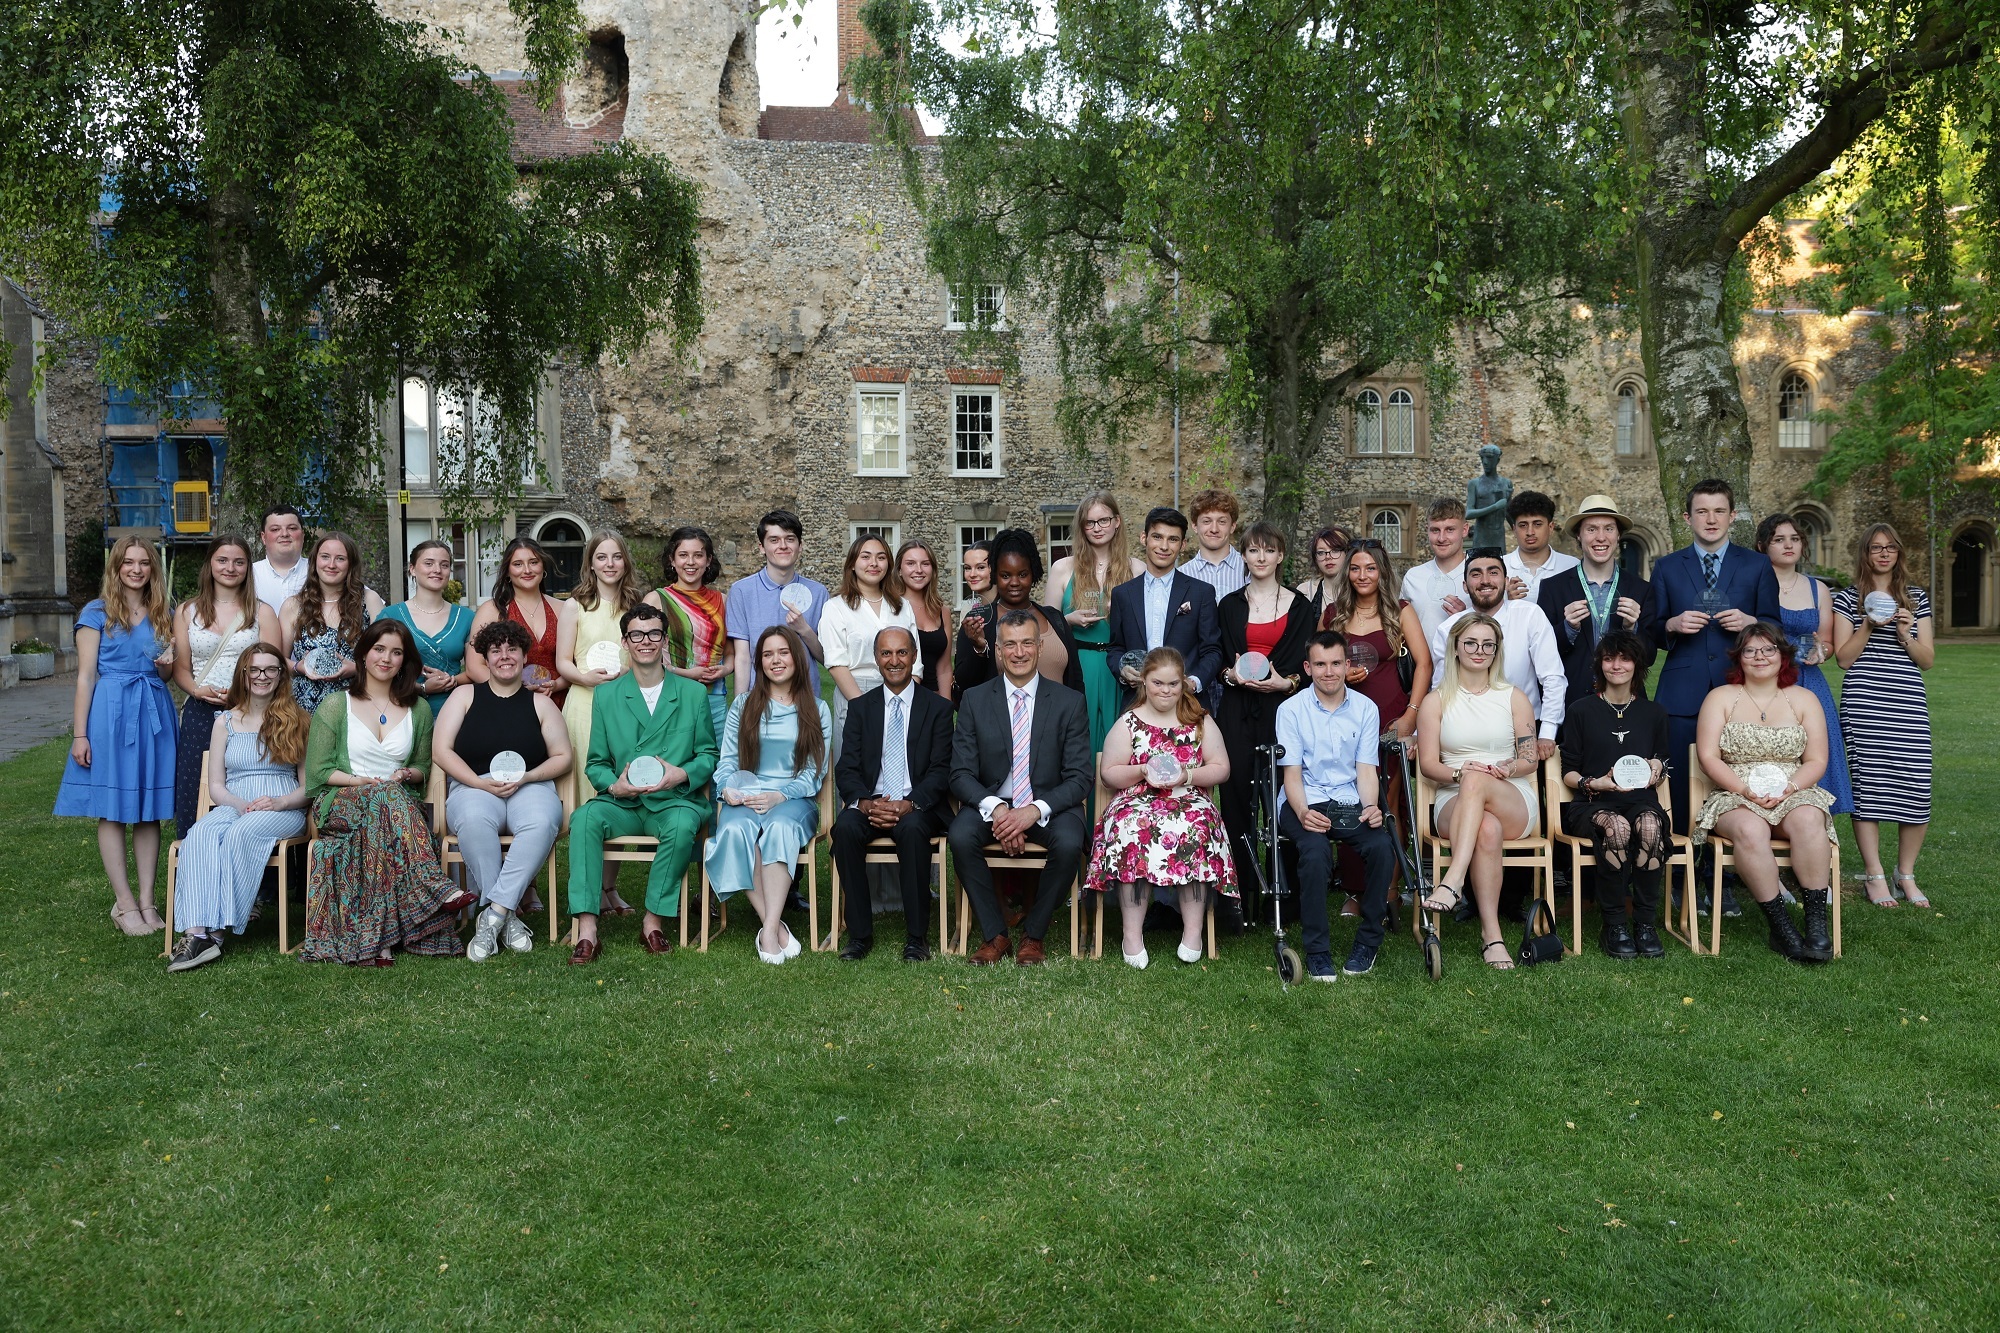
x: 1517, y: 568
x: 1426, y: 586
x: 273, y: 588
x: 1530, y: 656
x: 991, y: 803
x: 847, y: 636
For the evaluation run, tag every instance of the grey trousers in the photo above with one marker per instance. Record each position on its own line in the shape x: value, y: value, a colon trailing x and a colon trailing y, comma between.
x: 533, y: 814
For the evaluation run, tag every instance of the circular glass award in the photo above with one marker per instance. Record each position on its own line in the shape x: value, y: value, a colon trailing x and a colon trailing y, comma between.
x: 645, y: 771
x: 1363, y: 655
x: 1253, y: 666
x: 534, y: 677
x: 1132, y: 661
x: 604, y: 655
x: 325, y: 661
x: 796, y: 597
x: 507, y: 766
x: 1632, y: 773
x: 1805, y: 648
x: 1765, y: 780
x: 1163, y: 770
x: 1880, y: 606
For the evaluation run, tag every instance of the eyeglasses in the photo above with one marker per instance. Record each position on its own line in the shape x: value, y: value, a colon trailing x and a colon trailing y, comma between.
x: 1884, y: 550
x: 1477, y: 646
x: 257, y: 672
x: 1099, y: 522
x: 1762, y: 650
x: 645, y: 636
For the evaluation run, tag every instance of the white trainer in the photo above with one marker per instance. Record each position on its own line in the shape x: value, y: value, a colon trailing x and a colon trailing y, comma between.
x: 518, y: 935
x: 486, y: 934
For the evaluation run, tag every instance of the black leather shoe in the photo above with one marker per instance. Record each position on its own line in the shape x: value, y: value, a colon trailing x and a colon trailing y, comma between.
x: 1229, y: 915
x: 1616, y: 941
x: 916, y: 953
x: 1648, y: 941
x: 857, y: 950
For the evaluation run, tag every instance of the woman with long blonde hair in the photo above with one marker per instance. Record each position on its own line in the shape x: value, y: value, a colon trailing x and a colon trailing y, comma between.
x: 121, y: 764
x: 256, y: 781
x: 1885, y: 713
x: 1080, y: 587
x: 610, y: 587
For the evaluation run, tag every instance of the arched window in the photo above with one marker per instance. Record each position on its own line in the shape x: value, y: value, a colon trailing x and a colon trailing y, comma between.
x: 1368, y: 422
x: 1399, y: 424
x: 563, y: 539
x: 1812, y: 534
x: 1386, y: 526
x: 1628, y: 421
x: 1633, y: 553
x: 1795, y: 409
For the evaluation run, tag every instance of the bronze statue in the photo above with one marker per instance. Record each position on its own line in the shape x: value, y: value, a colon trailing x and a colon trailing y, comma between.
x: 1486, y: 497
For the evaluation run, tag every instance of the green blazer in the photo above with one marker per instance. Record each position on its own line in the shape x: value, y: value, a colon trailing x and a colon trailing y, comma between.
x: 679, y: 732
x: 326, y: 745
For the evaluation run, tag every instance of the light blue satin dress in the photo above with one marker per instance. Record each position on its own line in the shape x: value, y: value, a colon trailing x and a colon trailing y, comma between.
x: 743, y: 838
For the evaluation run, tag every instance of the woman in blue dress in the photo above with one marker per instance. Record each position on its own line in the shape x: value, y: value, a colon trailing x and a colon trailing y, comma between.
x: 773, y: 759
x: 440, y: 627
x: 1805, y: 611
x: 121, y: 764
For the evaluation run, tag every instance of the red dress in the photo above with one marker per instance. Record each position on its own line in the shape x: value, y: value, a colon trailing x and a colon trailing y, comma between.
x: 542, y: 652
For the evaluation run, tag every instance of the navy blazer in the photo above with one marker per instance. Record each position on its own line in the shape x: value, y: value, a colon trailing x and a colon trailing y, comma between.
x: 1697, y: 663
x: 1194, y: 633
x: 1580, y: 654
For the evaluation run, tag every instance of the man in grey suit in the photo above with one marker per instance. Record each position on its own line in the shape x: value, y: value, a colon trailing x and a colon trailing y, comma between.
x: 1020, y: 768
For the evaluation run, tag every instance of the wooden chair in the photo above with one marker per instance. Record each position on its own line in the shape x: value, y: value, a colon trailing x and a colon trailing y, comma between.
x: 1096, y: 909
x: 808, y: 860
x: 280, y: 858
x: 638, y: 848
x: 1680, y: 855
x: 1536, y: 853
x: 881, y: 852
x: 449, y: 854
x: 1699, y: 790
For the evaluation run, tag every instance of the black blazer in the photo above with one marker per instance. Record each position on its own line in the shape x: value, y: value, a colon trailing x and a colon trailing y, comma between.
x: 982, y: 749
x: 928, y: 735
x: 1193, y: 633
x: 970, y: 667
x: 1557, y: 592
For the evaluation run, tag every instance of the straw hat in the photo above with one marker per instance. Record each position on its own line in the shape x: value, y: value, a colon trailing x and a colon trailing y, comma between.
x: 1598, y: 506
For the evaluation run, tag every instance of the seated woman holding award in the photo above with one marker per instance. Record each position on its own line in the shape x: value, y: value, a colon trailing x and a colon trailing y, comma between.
x: 502, y: 746
x: 1614, y: 749
x: 1761, y: 739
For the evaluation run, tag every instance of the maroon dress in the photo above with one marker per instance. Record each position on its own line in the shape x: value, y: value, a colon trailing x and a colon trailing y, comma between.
x: 542, y: 652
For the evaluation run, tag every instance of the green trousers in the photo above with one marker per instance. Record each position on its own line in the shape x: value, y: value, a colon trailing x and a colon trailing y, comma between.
x: 605, y: 817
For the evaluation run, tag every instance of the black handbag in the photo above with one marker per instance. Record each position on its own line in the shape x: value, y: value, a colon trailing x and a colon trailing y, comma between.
x: 1406, y: 666
x: 1539, y: 941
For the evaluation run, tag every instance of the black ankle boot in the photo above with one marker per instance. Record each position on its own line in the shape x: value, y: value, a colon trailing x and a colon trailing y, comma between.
x: 1784, y: 935
x: 1818, y: 940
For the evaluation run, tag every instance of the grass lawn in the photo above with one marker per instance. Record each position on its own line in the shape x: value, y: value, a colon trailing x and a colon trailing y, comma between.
x: 706, y: 1141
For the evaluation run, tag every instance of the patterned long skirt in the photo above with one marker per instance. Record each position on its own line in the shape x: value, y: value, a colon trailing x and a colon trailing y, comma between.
x: 375, y: 882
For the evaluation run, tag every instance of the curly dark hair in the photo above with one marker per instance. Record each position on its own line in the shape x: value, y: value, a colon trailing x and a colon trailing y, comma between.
x: 503, y: 631
x: 1618, y: 643
x: 1021, y: 542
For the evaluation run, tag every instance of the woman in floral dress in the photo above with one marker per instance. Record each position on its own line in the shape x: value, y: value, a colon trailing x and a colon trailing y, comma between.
x: 1159, y: 831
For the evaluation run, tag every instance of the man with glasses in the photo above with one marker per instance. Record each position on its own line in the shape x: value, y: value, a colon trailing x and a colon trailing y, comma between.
x: 282, y: 571
x: 756, y: 602
x: 1532, y: 662
x: 659, y: 721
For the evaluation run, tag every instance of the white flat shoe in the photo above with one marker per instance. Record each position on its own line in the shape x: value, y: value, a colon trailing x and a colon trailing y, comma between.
x: 792, y: 946
x: 772, y: 958
x: 1186, y: 954
x: 1138, y: 960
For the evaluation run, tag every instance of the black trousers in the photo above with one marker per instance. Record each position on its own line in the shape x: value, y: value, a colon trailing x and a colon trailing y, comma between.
x: 912, y: 835
x: 1063, y: 838
x: 1316, y: 856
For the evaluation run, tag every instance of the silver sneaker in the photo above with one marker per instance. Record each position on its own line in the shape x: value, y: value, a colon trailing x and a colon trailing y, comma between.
x: 486, y: 934
x: 518, y: 934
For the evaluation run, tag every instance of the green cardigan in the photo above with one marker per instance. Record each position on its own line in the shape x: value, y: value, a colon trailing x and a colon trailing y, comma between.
x: 326, y: 746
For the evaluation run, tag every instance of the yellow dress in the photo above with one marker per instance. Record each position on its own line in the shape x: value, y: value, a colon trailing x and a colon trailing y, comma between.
x: 592, y: 627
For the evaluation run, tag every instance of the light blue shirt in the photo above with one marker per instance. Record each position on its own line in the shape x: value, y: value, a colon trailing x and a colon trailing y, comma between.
x: 775, y: 741
x: 1226, y: 575
x: 1330, y: 745
x: 754, y: 603
x: 1159, y: 599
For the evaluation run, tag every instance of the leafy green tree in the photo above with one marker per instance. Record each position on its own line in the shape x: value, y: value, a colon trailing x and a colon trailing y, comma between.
x: 1250, y: 205
x: 1729, y: 110
x: 311, y: 198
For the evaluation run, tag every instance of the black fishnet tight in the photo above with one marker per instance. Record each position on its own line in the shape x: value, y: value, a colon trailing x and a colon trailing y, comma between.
x: 1631, y: 853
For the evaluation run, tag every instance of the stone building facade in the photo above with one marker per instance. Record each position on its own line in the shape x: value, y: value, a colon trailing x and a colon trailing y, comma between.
x: 35, y: 603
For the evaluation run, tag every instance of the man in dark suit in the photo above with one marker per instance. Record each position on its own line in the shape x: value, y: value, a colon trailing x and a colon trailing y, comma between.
x: 1586, y: 603
x: 893, y: 774
x: 1020, y: 767
x: 1702, y: 595
x: 1164, y: 608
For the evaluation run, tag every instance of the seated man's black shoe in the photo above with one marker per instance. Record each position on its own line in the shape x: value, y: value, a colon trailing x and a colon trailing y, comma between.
x: 1648, y: 941
x: 857, y: 950
x: 1616, y: 941
x: 916, y: 953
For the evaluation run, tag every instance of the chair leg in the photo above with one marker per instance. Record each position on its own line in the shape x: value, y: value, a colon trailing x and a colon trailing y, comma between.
x: 284, y: 898
x: 944, y: 902
x: 812, y: 902
x: 964, y: 918
x: 552, y: 897
x: 1213, y: 952
x: 833, y: 915
x: 700, y: 903
x: 1715, y: 906
x: 1833, y: 896
x: 1576, y: 896
x: 1075, y: 921
x: 173, y: 868
x: 1097, y: 928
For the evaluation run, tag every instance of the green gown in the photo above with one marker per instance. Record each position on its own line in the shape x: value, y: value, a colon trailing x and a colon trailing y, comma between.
x: 1101, y: 690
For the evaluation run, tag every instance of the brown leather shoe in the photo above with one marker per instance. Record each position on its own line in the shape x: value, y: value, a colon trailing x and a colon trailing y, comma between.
x: 657, y: 942
x: 586, y: 951
x: 1030, y: 954
x: 992, y: 951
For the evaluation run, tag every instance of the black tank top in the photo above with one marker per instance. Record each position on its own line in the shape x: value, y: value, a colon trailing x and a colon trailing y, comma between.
x: 494, y: 724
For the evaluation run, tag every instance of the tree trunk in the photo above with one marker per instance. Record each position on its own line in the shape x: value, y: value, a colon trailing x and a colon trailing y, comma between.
x: 1683, y: 249
x: 1286, y: 454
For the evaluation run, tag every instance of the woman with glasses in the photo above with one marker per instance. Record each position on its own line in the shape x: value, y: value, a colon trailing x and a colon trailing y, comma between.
x: 1476, y: 740
x: 1080, y: 586
x: 256, y: 780
x: 1885, y: 714
x: 1761, y: 739
x: 1329, y: 557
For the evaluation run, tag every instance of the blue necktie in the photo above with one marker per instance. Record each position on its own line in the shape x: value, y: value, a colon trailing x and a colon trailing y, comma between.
x: 1711, y: 565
